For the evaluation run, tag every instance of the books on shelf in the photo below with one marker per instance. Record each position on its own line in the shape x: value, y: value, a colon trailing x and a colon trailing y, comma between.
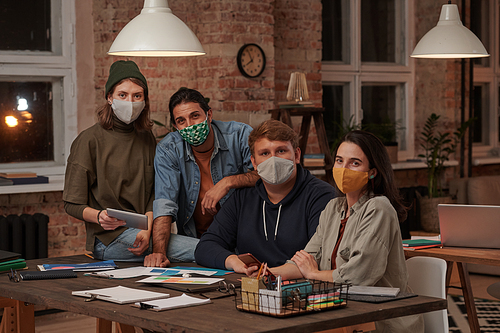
x: 294, y: 104
x: 120, y: 294
x: 12, y: 175
x: 21, y: 178
x: 312, y: 160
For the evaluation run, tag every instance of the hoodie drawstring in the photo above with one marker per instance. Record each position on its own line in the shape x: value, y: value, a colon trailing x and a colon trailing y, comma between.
x: 277, y: 221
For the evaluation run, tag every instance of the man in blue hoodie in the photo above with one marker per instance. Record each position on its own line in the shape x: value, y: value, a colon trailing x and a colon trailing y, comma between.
x: 275, y: 218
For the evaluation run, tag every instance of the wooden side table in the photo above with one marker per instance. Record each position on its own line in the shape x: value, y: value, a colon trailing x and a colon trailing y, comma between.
x: 285, y: 115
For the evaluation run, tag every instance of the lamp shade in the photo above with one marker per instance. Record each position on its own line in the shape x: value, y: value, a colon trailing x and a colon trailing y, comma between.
x: 156, y: 32
x: 449, y: 39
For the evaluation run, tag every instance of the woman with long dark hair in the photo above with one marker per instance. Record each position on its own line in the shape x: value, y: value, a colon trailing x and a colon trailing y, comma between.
x: 358, y: 239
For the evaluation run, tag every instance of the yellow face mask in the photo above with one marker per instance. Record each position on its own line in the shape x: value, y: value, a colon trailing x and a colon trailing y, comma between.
x: 348, y: 180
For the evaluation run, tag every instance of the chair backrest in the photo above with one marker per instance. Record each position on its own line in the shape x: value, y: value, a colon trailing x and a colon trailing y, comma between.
x: 427, y: 277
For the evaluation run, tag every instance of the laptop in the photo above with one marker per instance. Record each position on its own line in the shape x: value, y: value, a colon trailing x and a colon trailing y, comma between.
x: 469, y: 225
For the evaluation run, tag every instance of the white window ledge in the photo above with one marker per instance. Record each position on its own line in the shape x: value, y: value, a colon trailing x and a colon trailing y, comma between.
x: 56, y: 183
x: 485, y: 161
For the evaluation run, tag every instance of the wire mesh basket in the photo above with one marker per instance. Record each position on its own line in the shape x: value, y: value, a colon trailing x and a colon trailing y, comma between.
x: 296, y: 297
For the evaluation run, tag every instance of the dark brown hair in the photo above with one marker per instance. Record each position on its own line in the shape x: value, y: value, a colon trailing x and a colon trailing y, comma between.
x: 273, y: 130
x: 186, y: 95
x: 105, y: 112
x: 378, y: 158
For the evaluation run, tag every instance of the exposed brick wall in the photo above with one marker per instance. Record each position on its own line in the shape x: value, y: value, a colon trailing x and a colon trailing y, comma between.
x: 286, y: 30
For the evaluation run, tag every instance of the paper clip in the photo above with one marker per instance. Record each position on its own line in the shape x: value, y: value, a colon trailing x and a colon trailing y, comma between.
x: 93, y: 297
x: 144, y: 306
x: 100, y: 275
x: 14, y: 276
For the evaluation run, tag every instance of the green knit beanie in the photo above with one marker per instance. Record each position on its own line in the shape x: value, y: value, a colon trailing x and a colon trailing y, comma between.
x: 120, y: 70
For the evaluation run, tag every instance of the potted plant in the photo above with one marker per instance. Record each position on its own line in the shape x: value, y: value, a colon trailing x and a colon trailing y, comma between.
x: 438, y: 147
x: 387, y: 133
x: 341, y: 128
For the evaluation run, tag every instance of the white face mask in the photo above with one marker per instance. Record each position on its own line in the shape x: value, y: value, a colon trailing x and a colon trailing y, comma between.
x: 127, y: 111
x: 275, y: 170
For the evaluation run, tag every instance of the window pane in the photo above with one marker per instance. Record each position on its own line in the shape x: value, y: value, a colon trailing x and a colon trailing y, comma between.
x: 336, y: 115
x: 480, y: 25
x: 481, y: 107
x: 378, y: 31
x: 335, y: 26
x: 26, y: 124
x: 30, y: 20
x: 382, y: 112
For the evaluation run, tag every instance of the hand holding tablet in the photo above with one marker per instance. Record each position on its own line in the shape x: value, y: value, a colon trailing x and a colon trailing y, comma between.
x: 132, y: 220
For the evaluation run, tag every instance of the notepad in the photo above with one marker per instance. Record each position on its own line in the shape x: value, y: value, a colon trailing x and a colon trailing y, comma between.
x: 36, y: 275
x: 373, y: 291
x: 172, y: 303
x: 120, y: 294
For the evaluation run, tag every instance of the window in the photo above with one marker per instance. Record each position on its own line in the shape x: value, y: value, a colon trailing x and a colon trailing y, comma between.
x: 367, y: 77
x: 486, y: 93
x: 37, y: 71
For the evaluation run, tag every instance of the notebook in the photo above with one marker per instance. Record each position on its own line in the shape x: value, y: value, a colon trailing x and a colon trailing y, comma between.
x: 172, y: 303
x: 469, y: 225
x: 121, y: 295
x: 36, y: 275
x: 8, y: 256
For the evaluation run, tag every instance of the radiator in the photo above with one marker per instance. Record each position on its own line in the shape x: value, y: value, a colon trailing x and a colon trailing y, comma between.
x: 25, y: 234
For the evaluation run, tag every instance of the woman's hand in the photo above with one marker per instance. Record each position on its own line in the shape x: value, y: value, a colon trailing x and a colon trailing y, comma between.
x: 306, y: 264
x: 107, y: 222
x: 141, y: 243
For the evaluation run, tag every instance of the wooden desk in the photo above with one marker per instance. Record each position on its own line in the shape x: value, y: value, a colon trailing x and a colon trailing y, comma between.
x: 220, y: 316
x: 462, y: 256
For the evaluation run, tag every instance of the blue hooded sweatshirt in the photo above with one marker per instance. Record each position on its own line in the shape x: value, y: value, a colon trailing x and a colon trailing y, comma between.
x: 250, y: 222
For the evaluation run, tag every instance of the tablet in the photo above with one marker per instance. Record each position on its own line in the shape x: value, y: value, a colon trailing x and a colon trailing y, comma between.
x: 133, y: 220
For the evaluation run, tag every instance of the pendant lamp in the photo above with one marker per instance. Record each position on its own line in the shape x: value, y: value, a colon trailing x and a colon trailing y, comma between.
x: 156, y: 32
x: 449, y: 39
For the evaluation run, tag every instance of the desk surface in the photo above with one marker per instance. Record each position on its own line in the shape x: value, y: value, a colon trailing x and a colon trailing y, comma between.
x: 460, y: 254
x: 221, y: 315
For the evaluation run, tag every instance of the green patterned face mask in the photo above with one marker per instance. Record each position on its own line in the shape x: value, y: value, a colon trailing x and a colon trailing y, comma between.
x: 196, y: 134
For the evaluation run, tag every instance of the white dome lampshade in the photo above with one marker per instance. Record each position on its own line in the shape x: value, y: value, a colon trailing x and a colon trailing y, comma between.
x: 449, y: 39
x: 156, y: 32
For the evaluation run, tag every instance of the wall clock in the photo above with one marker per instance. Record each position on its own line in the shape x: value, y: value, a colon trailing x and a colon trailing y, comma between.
x: 251, y: 60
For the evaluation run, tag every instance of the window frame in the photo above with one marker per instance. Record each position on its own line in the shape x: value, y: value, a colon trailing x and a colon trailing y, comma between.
x: 355, y: 73
x: 60, y: 67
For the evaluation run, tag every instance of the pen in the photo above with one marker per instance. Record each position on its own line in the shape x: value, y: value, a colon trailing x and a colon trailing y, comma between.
x: 260, y: 270
x: 88, y: 255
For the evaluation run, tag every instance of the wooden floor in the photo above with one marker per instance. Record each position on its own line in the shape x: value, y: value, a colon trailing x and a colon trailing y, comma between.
x: 68, y: 322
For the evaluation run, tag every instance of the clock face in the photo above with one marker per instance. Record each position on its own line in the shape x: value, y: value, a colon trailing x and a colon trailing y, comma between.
x: 251, y: 60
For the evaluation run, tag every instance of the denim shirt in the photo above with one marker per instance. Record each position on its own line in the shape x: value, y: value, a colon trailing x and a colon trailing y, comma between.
x: 177, y: 176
